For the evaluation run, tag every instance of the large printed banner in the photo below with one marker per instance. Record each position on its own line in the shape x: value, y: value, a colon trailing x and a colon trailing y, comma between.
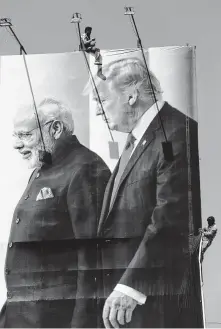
x: 63, y: 78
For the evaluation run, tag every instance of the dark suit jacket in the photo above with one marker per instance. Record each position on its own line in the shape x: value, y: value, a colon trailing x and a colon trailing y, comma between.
x: 50, y: 265
x: 144, y: 236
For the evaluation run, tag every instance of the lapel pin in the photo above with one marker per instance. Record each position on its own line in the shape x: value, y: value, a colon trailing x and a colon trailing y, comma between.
x: 144, y: 142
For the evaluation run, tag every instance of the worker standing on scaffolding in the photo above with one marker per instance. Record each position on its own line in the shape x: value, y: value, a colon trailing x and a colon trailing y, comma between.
x: 89, y: 47
x: 208, y: 235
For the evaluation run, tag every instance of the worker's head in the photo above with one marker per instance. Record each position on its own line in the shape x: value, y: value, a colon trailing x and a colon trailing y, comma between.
x: 127, y: 93
x: 56, y: 124
x: 211, y: 220
x: 88, y: 30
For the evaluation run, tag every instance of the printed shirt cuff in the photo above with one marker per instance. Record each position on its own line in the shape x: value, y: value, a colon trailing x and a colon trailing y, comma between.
x: 138, y: 296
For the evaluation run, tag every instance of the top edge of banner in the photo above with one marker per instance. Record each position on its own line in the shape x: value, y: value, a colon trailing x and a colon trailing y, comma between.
x: 150, y: 48
x: 117, y: 50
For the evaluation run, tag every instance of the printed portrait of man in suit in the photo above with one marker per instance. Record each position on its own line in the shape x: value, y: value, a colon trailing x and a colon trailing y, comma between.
x: 146, y: 218
x: 52, y: 250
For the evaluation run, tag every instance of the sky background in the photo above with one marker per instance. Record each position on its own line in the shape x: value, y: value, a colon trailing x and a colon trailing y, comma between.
x: 44, y: 26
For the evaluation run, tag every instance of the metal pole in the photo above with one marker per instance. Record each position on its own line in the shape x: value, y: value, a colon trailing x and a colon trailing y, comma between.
x: 33, y: 98
x: 22, y: 49
x: 92, y: 78
x: 154, y: 96
x: 46, y: 156
x: 201, y: 281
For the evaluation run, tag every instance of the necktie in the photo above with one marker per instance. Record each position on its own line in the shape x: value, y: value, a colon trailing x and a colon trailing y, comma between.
x: 123, y: 162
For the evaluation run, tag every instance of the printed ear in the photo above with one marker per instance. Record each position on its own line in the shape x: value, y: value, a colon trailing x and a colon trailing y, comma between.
x: 57, y: 128
x: 133, y: 97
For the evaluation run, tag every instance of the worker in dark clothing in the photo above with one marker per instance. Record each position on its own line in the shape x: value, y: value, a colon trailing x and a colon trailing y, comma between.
x: 208, y: 234
x: 89, y: 45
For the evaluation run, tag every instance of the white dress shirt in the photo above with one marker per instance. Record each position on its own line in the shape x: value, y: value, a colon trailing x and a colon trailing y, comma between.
x: 144, y: 122
x: 138, y: 132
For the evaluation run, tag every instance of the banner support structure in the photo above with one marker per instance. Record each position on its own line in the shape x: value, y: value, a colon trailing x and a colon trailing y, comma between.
x: 201, y: 280
x: 43, y: 155
x: 166, y: 145
x: 113, y: 146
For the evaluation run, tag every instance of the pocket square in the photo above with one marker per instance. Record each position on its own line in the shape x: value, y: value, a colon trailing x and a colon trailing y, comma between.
x: 45, y: 193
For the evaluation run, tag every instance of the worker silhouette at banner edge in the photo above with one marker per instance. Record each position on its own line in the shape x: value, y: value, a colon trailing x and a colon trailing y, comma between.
x: 208, y: 235
x: 89, y: 45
